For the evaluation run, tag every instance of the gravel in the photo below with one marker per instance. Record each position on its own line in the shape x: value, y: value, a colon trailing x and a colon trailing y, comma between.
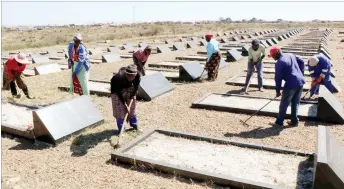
x: 226, y: 160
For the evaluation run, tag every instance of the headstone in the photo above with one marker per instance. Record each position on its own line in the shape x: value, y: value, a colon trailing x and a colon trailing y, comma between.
x: 40, y: 59
x: 244, y: 37
x: 256, y: 34
x: 167, y: 41
x: 112, y: 49
x: 47, y: 69
x: 269, y: 42
x: 284, y: 36
x: 182, y: 40
x: 128, y: 47
x: 107, y: 58
x: 179, y: 46
x: 231, y: 33
x: 143, y: 45
x: 94, y: 51
x: 224, y: 40
x: 250, y: 36
x: 235, y: 38
x: 156, y: 41
x: 153, y: 85
x: 288, y: 35
x: 329, y: 170
x: 330, y: 109
x: 218, y: 35
x: 194, y: 38
x: 191, y: 44
x: 163, y: 49
x: 280, y: 38
x: 263, y: 42
x: 203, y: 42
x: 261, y: 33
x: 274, y: 40
x: 245, y: 49
x: 236, y: 32
x: 69, y: 117
x: 233, y: 55
x: 191, y: 71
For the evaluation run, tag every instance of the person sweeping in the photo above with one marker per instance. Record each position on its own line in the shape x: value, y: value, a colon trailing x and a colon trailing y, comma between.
x: 13, y: 74
x: 124, y: 86
x: 80, y: 65
x: 140, y: 58
x: 290, y: 69
x: 319, y: 67
x: 214, y: 57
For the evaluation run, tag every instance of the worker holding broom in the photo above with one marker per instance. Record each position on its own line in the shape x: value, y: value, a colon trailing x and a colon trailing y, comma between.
x: 124, y: 86
x: 319, y: 67
x: 140, y: 58
x: 256, y: 54
x: 290, y: 69
x: 214, y: 57
x: 80, y: 65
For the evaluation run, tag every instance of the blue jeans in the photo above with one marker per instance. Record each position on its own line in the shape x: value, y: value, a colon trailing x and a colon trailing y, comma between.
x: 292, y: 96
x: 132, y: 121
x: 259, y: 68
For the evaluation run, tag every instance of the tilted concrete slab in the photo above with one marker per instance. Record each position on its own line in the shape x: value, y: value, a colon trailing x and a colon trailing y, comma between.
x: 153, y: 85
x: 267, y: 83
x: 108, y: 58
x: 329, y: 171
x: 47, y: 69
x: 249, y: 104
x: 233, y: 56
x: 330, y: 109
x: 40, y: 59
x: 192, y: 58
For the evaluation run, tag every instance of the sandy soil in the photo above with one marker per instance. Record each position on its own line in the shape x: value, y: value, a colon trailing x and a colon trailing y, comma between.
x: 227, y: 160
x: 86, y: 165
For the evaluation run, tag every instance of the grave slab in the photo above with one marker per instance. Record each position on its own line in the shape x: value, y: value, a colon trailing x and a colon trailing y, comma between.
x: 95, y: 51
x: 112, y: 49
x: 233, y: 56
x: 269, y: 42
x: 244, y: 51
x: 274, y: 40
x: 128, y: 47
x: 143, y: 45
x: 108, y: 58
x: 192, y: 58
x: 267, y: 83
x: 40, y: 59
x: 329, y: 171
x: 191, y: 44
x: 191, y: 71
x: 235, y: 38
x: 47, y: 69
x: 163, y: 49
x: 224, y: 40
x: 167, y: 41
x: 153, y: 85
x: 29, y: 72
x: 179, y: 47
x: 330, y: 109
x: 203, y: 42
x: 263, y: 42
x: 167, y: 74
x: 249, y: 104
x: 70, y: 117
x: 153, y: 149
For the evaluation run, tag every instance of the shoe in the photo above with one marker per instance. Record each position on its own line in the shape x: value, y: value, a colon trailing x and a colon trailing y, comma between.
x: 292, y: 124
x: 261, y: 89
x: 276, y: 125
x: 17, y: 96
x: 30, y: 97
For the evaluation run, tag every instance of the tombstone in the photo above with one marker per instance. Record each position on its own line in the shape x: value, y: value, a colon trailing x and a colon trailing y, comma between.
x: 280, y: 38
x: 284, y: 36
x: 191, y: 44
x: 52, y: 52
x: 163, y: 49
x: 40, y: 59
x: 261, y: 33
x: 179, y: 46
x: 94, y: 51
x: 233, y: 55
x: 47, y: 69
x: 244, y: 37
x: 153, y: 85
x: 218, y: 35
x: 70, y: 117
x: 167, y: 41
x: 235, y: 38
x: 224, y: 40
x: 231, y: 33
x: 108, y: 58
x: 112, y: 49
x: 127, y: 47
x: 288, y: 35
x: 190, y: 71
x: 263, y: 42
x: 329, y: 170
x: 194, y: 38
x: 250, y: 36
x: 156, y: 41
x: 269, y: 42
x: 245, y: 49
x: 236, y: 32
x: 203, y: 42
x: 143, y: 45
x: 330, y: 109
x: 274, y: 40
x: 256, y: 34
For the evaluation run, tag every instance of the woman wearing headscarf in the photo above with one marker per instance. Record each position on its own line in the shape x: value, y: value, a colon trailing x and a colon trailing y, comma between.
x: 80, y: 65
x: 214, y: 57
x: 124, y: 86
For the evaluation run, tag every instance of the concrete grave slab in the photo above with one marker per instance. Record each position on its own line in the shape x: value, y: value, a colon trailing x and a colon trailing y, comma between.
x: 40, y: 59
x: 29, y: 72
x: 70, y: 117
x: 267, y: 83
x: 112, y: 49
x: 280, y: 38
x: 235, y: 38
x: 166, y: 64
x: 167, y: 74
x: 156, y: 148
x: 256, y: 34
x: 274, y: 40
x: 244, y: 37
x: 153, y: 85
x: 249, y: 104
x: 128, y: 47
x: 263, y: 42
x: 126, y: 56
x: 330, y: 109
x: 47, y: 69
x: 191, y: 71
x: 269, y: 42
x: 224, y: 40
x: 284, y: 36
x: 179, y: 46
x: 203, y: 42
x: 163, y: 49
x: 95, y: 51
x: 100, y: 88
x: 329, y: 172
x: 194, y: 38
x: 233, y: 56
x: 244, y: 51
x: 272, y: 71
x: 336, y: 88
x: 192, y: 58
x: 168, y: 41
x: 108, y: 58
x: 143, y: 45
x: 191, y: 44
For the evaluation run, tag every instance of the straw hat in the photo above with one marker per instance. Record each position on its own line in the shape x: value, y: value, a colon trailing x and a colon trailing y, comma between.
x: 21, y: 58
x: 131, y: 69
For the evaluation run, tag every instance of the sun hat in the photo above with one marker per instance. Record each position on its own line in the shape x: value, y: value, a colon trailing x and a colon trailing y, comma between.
x: 313, y: 61
x: 78, y: 37
x: 21, y: 58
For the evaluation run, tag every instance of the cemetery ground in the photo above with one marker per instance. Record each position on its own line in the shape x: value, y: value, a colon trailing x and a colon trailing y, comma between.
x: 83, y: 161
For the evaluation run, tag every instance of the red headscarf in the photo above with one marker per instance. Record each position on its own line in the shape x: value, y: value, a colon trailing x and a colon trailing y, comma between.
x: 274, y: 50
x: 208, y: 36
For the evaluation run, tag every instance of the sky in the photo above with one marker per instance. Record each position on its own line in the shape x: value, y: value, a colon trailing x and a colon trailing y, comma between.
x: 59, y: 13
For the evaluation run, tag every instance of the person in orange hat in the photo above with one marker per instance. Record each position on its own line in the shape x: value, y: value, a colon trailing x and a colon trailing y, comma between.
x: 289, y: 68
x: 214, y: 57
x: 13, y: 73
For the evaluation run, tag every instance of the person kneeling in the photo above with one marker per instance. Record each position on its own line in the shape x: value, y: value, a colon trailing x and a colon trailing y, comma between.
x: 124, y: 86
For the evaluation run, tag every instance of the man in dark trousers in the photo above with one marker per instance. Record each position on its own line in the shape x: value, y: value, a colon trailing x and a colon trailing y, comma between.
x: 290, y: 69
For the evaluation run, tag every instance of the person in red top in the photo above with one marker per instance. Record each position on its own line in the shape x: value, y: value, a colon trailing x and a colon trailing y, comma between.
x: 140, y: 58
x: 13, y: 73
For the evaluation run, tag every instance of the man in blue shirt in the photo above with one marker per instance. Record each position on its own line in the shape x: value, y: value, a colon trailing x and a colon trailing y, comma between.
x: 319, y: 67
x: 290, y: 69
x: 214, y: 57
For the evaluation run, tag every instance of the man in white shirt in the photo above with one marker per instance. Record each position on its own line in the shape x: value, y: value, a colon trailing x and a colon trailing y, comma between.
x: 256, y: 53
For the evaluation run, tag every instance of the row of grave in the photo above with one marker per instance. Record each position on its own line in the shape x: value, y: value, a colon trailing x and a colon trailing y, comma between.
x: 152, y: 85
x: 98, y: 55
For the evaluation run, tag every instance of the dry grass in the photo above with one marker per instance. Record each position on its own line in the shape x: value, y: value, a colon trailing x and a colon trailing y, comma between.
x: 83, y: 160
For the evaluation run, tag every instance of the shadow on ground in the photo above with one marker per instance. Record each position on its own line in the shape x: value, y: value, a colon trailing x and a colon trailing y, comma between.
x: 26, y: 144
